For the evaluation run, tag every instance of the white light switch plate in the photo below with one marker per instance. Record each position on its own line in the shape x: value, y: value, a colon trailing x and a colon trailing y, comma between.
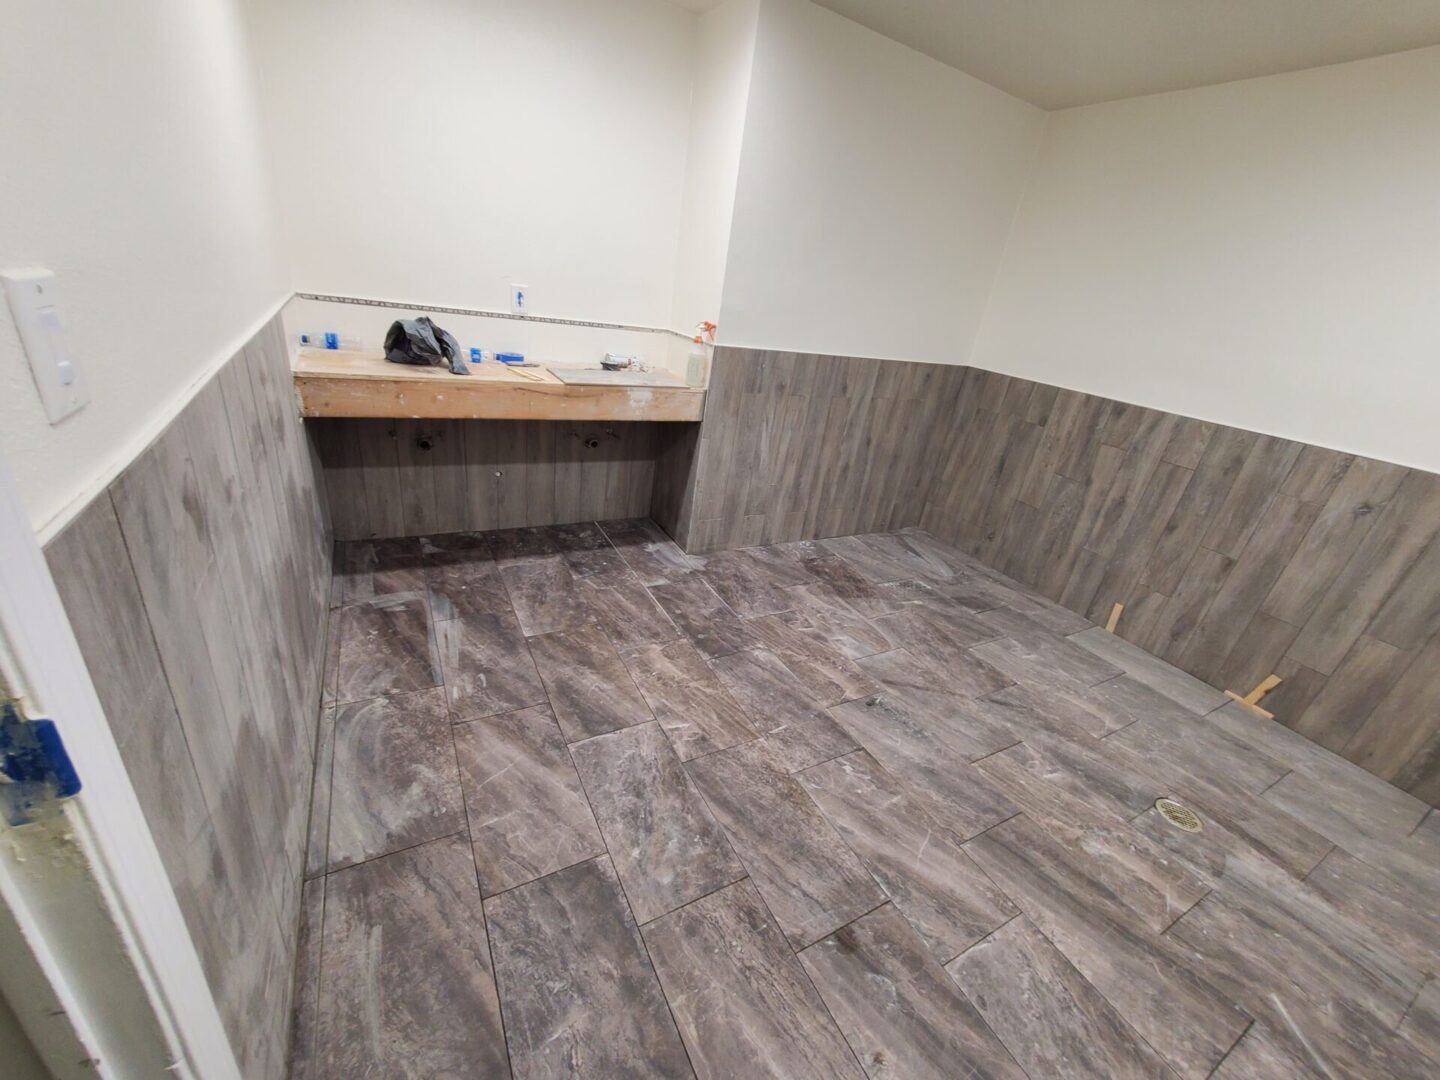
x: 520, y: 299
x: 35, y: 303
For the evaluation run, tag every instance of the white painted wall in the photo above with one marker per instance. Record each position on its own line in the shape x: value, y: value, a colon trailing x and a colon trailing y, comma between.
x: 131, y: 168
x: 724, y: 51
x: 875, y: 192
x: 436, y: 151
x: 1262, y: 253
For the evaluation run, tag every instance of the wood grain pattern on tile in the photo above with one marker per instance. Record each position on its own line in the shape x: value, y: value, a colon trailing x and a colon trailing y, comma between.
x: 706, y: 619
x: 697, y: 713
x: 487, y: 666
x: 386, y: 646
x: 744, y: 1005
x: 921, y: 1025
x: 795, y: 728
x: 544, y: 594
x: 1053, y: 1021
x: 415, y: 910
x: 577, y: 990
x: 394, y: 783
x: 588, y: 685
x: 932, y: 761
x: 666, y: 846
x: 926, y: 874
x: 527, y: 809
x: 1133, y: 970
x: 1229, y: 526
x: 809, y: 878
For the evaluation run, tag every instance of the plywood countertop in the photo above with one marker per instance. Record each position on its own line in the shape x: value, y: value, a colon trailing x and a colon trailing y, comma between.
x: 331, y: 382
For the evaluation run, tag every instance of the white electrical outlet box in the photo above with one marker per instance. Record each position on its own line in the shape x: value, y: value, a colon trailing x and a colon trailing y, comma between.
x: 520, y: 299
x: 35, y: 303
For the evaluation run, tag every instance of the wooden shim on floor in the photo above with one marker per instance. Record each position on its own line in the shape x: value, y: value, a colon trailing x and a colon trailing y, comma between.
x: 1114, y: 619
x: 1253, y: 698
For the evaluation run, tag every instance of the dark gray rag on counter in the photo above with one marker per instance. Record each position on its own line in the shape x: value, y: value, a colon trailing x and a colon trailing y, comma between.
x: 420, y: 341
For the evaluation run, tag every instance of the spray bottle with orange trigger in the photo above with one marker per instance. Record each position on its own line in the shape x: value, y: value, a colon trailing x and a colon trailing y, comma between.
x: 697, y: 368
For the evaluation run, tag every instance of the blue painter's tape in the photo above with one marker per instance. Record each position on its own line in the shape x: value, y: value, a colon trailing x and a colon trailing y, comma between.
x: 34, y: 760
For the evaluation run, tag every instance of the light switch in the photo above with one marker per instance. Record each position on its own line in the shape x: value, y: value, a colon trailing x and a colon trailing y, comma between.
x: 35, y: 303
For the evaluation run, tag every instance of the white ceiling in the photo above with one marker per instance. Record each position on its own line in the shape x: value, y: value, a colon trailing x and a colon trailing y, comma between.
x: 1058, y: 53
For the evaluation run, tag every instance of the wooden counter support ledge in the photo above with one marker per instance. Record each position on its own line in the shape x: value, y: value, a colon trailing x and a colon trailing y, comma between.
x: 337, y: 383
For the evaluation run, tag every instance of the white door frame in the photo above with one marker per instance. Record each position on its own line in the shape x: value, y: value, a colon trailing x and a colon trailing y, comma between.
x: 85, y: 887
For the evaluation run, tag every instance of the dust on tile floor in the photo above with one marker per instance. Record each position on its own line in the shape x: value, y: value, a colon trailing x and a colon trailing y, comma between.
x: 589, y: 806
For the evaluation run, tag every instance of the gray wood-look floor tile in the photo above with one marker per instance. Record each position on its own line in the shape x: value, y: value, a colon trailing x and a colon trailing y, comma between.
x: 527, y: 809
x: 875, y: 566
x: 1380, y: 978
x: 1421, y: 1027
x: 1397, y: 910
x: 1134, y: 970
x: 842, y: 625
x: 932, y: 759
x: 965, y: 675
x: 626, y: 612
x: 697, y: 713
x: 828, y: 677
x: 302, y: 1064
x: 1247, y: 820
x: 577, y: 991
x: 1318, y: 1015
x: 842, y: 580
x: 318, y: 842
x: 1071, y: 714
x: 1260, y: 1056
x: 744, y: 1005
x: 487, y: 666
x: 465, y: 584
x: 742, y: 581
x: 912, y: 756
x: 799, y: 732
x: 1302, y: 797
x: 924, y: 871
x: 1367, y: 803
x: 1053, y: 1021
x: 1185, y: 690
x: 652, y: 555
x: 706, y: 619
x: 939, y: 637
x: 588, y: 685
x: 809, y: 878
x: 367, y: 569
x: 1202, y: 751
x: 1061, y: 777
x: 666, y: 846
x: 394, y: 782
x: 544, y: 594
x: 920, y: 1025
x: 386, y: 646
x: 1042, y: 659
x: 385, y: 921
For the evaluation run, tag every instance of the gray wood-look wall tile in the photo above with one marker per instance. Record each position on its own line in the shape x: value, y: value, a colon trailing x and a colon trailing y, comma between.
x: 796, y: 446
x: 196, y: 585
x: 1235, y: 554
x: 412, y: 477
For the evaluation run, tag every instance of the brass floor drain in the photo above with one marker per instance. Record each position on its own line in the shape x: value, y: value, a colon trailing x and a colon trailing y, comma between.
x: 1182, y: 817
